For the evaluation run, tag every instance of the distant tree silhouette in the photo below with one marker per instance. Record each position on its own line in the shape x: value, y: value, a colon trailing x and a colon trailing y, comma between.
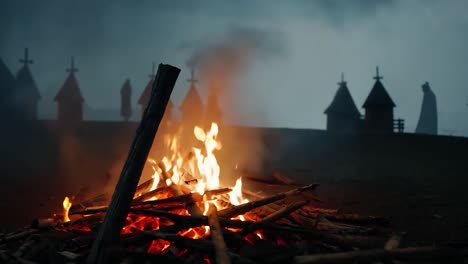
x: 126, y: 100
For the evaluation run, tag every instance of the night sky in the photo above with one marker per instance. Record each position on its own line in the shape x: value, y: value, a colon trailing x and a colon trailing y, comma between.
x: 284, y: 57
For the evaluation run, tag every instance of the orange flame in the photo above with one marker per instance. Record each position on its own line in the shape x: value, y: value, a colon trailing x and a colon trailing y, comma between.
x: 201, y: 168
x: 66, y: 208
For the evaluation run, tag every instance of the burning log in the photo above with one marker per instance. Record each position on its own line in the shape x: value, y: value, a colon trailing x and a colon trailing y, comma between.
x: 95, y: 201
x: 44, y: 223
x: 189, y: 198
x: 217, y: 237
x: 277, y: 215
x: 143, y: 187
x: 125, y: 190
x: 181, y: 200
x: 243, y: 208
x: 191, y: 207
x: 284, y: 212
x: 150, y: 194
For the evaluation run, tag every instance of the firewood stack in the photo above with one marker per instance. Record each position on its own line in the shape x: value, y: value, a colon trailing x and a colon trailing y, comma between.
x: 278, y: 228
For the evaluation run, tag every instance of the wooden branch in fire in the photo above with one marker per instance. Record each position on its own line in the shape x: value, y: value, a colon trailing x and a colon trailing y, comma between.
x: 217, y: 237
x: 243, y: 208
x: 125, y: 190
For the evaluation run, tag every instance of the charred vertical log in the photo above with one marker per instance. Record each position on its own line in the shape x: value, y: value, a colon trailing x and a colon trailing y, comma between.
x: 125, y: 190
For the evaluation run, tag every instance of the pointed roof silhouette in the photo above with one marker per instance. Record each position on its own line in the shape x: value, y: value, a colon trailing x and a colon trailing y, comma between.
x: 70, y: 90
x: 192, y: 100
x: 343, y: 103
x: 378, y: 95
x: 7, y: 81
x: 25, y: 84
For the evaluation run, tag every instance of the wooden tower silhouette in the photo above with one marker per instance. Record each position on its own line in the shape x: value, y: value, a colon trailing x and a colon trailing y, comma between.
x: 192, y: 108
x: 342, y: 113
x: 379, y: 108
x: 26, y: 93
x: 69, y: 98
x: 126, y: 100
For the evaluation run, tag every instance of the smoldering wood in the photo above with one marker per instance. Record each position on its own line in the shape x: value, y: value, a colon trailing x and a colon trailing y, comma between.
x: 182, y: 222
x: 243, y: 208
x: 125, y: 190
x: 141, y: 205
x: 44, y: 223
x: 284, y: 211
x: 98, y: 200
x: 86, y: 220
x: 277, y: 215
x: 90, y: 211
x: 217, y: 237
x: 148, y: 195
x: 182, y: 242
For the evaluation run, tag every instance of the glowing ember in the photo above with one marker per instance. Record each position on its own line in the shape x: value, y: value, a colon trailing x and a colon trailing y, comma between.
x: 259, y: 234
x: 158, y: 246
x: 66, y: 207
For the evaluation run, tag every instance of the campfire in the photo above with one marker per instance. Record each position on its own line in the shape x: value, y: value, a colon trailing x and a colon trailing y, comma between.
x: 184, y: 214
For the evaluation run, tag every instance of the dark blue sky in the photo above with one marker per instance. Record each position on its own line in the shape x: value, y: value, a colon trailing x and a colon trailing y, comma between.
x: 292, y: 51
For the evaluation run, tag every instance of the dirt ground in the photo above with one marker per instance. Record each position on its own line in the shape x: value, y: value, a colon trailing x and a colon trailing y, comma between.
x: 428, y: 214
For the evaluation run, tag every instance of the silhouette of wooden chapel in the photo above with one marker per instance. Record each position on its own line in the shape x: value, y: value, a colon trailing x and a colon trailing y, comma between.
x: 69, y: 98
x: 344, y: 117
